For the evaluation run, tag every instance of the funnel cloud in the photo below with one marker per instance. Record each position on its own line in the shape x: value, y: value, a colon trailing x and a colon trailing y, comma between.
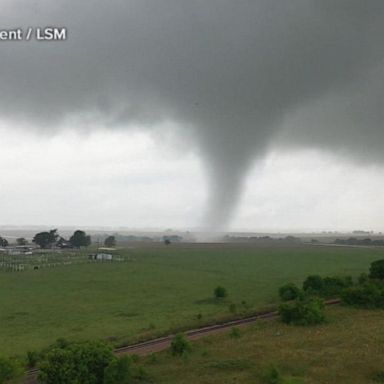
x: 241, y: 77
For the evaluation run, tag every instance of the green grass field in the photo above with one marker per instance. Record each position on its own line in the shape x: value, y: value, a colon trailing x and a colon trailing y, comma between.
x: 346, y: 350
x: 160, y: 289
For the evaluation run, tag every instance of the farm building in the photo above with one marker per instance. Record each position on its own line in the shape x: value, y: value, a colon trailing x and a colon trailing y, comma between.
x: 64, y: 244
x: 18, y: 250
x: 100, y: 256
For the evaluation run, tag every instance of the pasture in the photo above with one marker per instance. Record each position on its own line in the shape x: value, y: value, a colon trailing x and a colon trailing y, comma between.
x: 346, y: 350
x: 157, y: 290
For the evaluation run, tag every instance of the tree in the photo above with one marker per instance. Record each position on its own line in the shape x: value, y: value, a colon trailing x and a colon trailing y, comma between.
x: 76, y: 363
x: 3, y: 242
x: 220, y: 292
x: 313, y: 284
x: 289, y: 292
x: 334, y: 286
x: 119, y: 371
x: 376, y: 270
x: 21, y: 241
x: 367, y: 295
x: 110, y: 241
x: 80, y: 239
x: 9, y: 369
x: 46, y: 239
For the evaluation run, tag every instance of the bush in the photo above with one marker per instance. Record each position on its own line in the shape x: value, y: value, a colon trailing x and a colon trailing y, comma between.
x: 327, y: 286
x: 376, y: 270
x: 235, y: 333
x: 363, y: 278
x: 378, y: 377
x: 289, y: 292
x: 333, y: 286
x: 9, y: 369
x: 313, y: 284
x: 272, y: 376
x: 180, y: 345
x: 303, y: 312
x: 220, y: 292
x: 118, y: 371
x: 61, y: 343
x: 76, y: 363
x: 33, y: 358
x: 368, y: 295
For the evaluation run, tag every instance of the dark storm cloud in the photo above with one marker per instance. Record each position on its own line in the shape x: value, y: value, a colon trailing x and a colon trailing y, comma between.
x: 233, y: 71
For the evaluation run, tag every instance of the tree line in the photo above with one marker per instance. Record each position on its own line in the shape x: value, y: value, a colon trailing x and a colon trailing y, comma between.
x: 50, y: 239
x: 355, y: 241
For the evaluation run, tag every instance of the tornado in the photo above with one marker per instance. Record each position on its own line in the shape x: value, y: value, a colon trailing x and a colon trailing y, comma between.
x: 238, y: 77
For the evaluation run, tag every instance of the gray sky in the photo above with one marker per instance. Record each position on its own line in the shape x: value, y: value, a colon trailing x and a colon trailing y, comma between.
x: 259, y: 114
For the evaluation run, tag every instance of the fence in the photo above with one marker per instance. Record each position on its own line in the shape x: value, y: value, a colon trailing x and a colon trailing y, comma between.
x: 20, y: 263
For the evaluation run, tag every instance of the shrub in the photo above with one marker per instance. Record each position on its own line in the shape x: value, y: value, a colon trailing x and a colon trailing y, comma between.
x: 378, y: 377
x: 303, y: 312
x: 76, y: 363
x: 180, y: 345
x: 33, y: 358
x: 376, y: 270
x: 118, y: 371
x: 368, y: 295
x: 9, y: 369
x: 333, y: 286
x: 272, y: 375
x: 363, y: 278
x: 327, y: 286
x: 220, y: 292
x: 235, y: 333
x: 313, y: 284
x: 289, y: 291
x: 61, y: 343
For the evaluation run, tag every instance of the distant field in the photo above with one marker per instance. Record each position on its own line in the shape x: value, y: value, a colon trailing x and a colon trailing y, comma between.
x: 346, y: 350
x: 159, y: 289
